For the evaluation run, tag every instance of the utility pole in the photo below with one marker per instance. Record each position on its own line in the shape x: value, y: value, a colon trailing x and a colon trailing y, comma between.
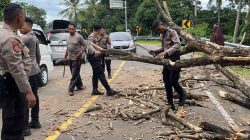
x: 126, y: 16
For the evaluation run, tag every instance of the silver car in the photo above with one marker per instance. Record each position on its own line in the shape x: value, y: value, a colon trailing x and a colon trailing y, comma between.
x: 58, y: 44
x: 123, y: 41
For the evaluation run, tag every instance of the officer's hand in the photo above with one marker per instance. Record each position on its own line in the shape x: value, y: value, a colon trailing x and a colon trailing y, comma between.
x: 31, y: 99
x: 161, y: 55
x: 65, y: 61
x: 152, y: 53
x: 97, y: 53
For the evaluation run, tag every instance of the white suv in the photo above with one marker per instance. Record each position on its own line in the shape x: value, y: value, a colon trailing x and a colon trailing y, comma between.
x: 46, y: 63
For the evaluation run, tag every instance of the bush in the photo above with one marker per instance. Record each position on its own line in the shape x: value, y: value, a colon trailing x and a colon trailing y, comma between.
x: 201, y: 30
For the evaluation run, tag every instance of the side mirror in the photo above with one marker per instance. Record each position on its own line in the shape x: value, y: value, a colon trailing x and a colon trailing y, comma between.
x: 48, y: 41
x: 135, y: 38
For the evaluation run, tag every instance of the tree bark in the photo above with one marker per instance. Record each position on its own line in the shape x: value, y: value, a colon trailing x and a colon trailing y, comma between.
x: 213, y: 128
x: 163, y: 13
x: 243, y: 101
x: 185, y: 63
x: 165, y: 5
x: 240, y: 84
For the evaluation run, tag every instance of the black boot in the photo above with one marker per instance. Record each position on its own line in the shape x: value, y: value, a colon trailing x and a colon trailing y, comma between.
x: 97, y: 92
x: 26, y: 131
x: 173, y: 108
x: 111, y: 92
x: 35, y: 124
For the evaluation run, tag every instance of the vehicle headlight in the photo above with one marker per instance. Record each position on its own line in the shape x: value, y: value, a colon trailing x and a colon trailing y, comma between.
x: 131, y: 45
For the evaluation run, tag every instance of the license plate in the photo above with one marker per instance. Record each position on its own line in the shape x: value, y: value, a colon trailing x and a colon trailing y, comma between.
x: 60, y: 49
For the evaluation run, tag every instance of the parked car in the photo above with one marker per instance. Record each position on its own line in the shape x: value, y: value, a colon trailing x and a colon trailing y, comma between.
x: 46, y: 64
x: 123, y: 41
x: 57, y: 33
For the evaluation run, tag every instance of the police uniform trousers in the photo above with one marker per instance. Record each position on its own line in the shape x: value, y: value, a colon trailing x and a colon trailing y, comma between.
x: 170, y: 79
x: 33, y: 80
x: 13, y: 104
x: 98, y: 72
x: 76, y: 80
x: 106, y: 63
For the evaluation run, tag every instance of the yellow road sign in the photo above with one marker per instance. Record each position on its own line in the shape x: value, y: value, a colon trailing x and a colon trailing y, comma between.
x: 138, y: 28
x: 186, y: 24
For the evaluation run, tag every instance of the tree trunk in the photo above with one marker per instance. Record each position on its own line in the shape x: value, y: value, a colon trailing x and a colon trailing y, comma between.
x: 240, y: 84
x: 243, y: 101
x: 236, y: 28
x: 247, y: 27
x: 75, y: 17
x: 165, y: 5
x: 163, y: 13
x: 219, y: 13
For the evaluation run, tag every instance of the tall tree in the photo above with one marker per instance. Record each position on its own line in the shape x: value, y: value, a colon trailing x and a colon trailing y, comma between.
x: 92, y: 6
x: 71, y: 10
x: 247, y: 27
x: 2, y: 4
x: 38, y: 15
x: 218, y: 5
x: 240, y: 3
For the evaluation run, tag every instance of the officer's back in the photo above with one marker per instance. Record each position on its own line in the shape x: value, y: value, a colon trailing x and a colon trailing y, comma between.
x: 15, y: 89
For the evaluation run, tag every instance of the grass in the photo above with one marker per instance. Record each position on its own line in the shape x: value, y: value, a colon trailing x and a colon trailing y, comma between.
x: 244, y: 72
x: 148, y: 42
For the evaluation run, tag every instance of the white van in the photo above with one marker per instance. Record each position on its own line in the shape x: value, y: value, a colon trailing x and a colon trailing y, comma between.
x: 46, y: 63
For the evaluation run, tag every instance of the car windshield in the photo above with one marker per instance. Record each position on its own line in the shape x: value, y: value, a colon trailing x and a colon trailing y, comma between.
x: 120, y: 36
x: 58, y: 36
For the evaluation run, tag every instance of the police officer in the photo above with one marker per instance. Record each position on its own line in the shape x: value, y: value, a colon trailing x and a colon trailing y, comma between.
x: 95, y: 59
x: 169, y: 50
x: 75, y: 48
x: 29, y: 39
x: 15, y: 87
x: 104, y: 42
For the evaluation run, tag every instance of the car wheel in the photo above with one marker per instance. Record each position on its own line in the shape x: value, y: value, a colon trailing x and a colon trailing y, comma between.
x: 134, y: 50
x: 43, y: 79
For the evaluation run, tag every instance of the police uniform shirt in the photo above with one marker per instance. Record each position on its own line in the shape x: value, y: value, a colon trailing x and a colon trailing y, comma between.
x: 11, y: 57
x: 92, y: 38
x: 170, y: 41
x: 74, y: 44
x: 27, y: 62
x: 30, y: 41
x: 104, y: 41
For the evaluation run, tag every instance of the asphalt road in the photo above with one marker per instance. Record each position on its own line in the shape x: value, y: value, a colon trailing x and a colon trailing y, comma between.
x: 59, y: 111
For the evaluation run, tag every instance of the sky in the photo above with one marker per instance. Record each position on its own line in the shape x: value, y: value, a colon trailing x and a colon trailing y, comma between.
x: 52, y: 7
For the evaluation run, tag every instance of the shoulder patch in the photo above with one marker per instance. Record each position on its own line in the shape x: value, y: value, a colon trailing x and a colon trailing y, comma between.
x: 16, y: 45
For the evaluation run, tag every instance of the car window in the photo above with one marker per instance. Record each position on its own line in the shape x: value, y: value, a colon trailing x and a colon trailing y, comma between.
x: 40, y: 36
x: 120, y: 36
x: 58, y: 36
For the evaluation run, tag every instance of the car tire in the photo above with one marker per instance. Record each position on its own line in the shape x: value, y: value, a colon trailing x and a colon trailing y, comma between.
x: 134, y: 50
x: 43, y: 78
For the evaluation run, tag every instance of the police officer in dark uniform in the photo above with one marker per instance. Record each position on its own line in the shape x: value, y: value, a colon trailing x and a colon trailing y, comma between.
x: 105, y: 42
x: 169, y: 50
x: 14, y: 86
x: 95, y: 59
x: 30, y: 40
x: 75, y: 48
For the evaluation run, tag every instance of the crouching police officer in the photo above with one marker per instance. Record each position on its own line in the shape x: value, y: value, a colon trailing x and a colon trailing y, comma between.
x: 169, y: 50
x: 95, y: 59
x: 15, y: 86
